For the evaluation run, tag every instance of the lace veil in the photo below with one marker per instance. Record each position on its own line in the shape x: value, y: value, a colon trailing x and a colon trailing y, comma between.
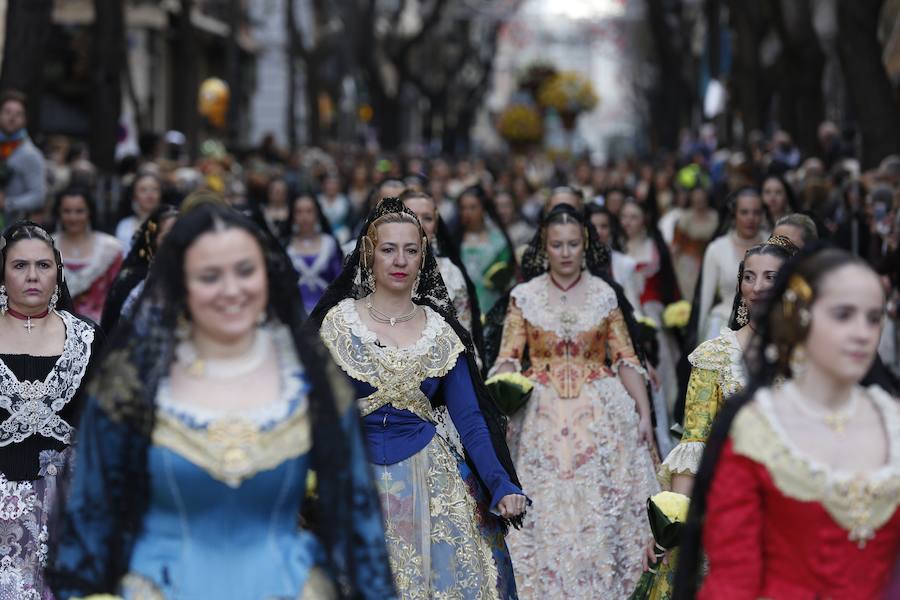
x: 431, y: 292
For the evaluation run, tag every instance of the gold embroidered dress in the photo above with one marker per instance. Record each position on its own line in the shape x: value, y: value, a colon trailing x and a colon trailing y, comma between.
x: 441, y: 542
x: 576, y: 446
x: 717, y: 373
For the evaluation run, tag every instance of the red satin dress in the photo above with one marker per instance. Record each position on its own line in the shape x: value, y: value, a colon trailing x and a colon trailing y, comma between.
x: 781, y: 527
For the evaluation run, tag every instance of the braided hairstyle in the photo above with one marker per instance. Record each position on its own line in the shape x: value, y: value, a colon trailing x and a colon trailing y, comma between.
x: 778, y: 246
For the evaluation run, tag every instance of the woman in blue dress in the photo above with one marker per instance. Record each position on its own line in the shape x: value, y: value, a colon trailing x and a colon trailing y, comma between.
x: 447, y: 492
x: 201, y: 427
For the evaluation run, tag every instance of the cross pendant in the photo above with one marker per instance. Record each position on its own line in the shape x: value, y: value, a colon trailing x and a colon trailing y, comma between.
x: 28, y: 325
x: 393, y: 321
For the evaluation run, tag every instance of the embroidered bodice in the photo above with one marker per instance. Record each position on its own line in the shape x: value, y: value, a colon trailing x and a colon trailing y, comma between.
x: 722, y: 355
x: 33, y: 407
x: 232, y: 448
x: 82, y: 273
x: 396, y: 374
x: 717, y: 373
x: 860, y: 504
x: 567, y: 346
x: 781, y: 525
x: 395, y: 387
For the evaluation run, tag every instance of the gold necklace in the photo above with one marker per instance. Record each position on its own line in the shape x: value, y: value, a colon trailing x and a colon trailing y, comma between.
x: 381, y: 317
x: 836, y: 420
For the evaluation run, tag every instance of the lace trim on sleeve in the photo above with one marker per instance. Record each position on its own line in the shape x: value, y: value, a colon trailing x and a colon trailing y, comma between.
x: 684, y: 459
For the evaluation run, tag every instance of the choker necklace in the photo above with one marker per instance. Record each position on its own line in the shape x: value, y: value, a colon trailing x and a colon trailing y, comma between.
x: 565, y: 289
x: 381, y: 317
x: 836, y: 420
x: 27, y: 318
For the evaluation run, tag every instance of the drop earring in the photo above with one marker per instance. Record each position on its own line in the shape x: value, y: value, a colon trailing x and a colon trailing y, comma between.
x: 743, y: 313
x: 53, y: 300
x: 4, y: 300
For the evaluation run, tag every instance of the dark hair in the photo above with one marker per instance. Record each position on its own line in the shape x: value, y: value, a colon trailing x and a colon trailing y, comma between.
x: 136, y: 265
x: 780, y: 328
x: 28, y: 230
x: 777, y: 246
x: 287, y: 228
x: 726, y: 221
x: 75, y: 191
x: 615, y: 228
x: 487, y: 205
x: 13, y: 95
x: 789, y: 195
x: 146, y: 344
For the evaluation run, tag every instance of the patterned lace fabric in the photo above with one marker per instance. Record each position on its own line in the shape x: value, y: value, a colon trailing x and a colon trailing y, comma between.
x: 567, y: 346
x: 24, y: 514
x: 436, y: 548
x: 589, y: 477
x: 718, y: 372
x: 33, y: 406
x: 577, y: 449
x: 395, y: 373
x: 456, y: 287
x: 859, y: 503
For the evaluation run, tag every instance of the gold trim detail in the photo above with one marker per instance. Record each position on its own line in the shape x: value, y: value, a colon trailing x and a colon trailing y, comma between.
x: 395, y: 373
x: 860, y: 504
x: 233, y: 450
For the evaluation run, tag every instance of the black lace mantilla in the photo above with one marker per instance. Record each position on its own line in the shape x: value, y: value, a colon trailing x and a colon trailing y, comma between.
x: 431, y: 292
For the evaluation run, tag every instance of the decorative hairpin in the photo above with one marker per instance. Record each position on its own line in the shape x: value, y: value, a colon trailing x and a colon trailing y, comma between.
x: 782, y: 241
x: 798, y: 289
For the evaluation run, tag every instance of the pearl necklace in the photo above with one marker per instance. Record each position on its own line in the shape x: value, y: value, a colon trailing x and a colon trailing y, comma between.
x: 836, y: 420
x: 224, y: 368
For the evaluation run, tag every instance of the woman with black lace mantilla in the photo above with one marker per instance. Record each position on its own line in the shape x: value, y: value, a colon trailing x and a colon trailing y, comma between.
x: 45, y: 351
x: 205, y: 416
x: 390, y: 325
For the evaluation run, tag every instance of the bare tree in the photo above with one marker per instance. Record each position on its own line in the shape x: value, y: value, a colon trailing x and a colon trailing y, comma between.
x: 671, y: 101
x: 27, y: 33
x: 868, y: 88
x: 185, y: 80
x: 107, y: 69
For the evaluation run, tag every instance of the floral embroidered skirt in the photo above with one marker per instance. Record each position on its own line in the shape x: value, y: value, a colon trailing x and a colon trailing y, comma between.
x: 589, y: 477
x: 442, y: 540
x: 24, y: 513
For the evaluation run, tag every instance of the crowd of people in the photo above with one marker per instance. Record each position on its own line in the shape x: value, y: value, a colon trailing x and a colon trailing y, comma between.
x: 273, y: 376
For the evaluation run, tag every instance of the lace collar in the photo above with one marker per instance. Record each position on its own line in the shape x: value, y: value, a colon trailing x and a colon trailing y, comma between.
x: 725, y: 356
x: 291, y: 400
x: 434, y: 323
x: 533, y: 299
x: 34, y: 406
x: 859, y: 502
x: 105, y: 251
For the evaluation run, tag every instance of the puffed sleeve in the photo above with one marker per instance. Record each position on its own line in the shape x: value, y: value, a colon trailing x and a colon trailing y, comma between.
x: 700, y: 407
x: 620, y: 348
x: 515, y: 337
x: 462, y: 405
x: 732, y: 533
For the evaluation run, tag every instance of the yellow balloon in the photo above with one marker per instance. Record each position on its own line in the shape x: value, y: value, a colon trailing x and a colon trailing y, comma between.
x: 212, y: 102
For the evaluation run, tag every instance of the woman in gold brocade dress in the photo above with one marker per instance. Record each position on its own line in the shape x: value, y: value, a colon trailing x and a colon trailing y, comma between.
x: 717, y: 373
x: 581, y: 443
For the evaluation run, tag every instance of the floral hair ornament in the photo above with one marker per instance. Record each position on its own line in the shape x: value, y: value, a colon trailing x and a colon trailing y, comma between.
x: 798, y: 291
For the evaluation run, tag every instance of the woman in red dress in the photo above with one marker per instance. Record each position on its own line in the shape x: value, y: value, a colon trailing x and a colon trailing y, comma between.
x: 797, y: 494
